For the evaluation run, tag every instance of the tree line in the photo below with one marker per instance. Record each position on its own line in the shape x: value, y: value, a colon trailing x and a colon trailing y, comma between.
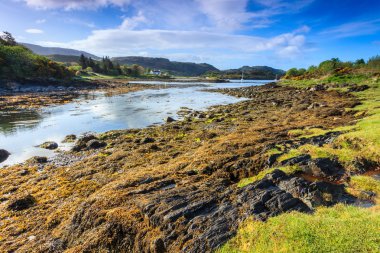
x: 335, y: 66
x: 107, y: 67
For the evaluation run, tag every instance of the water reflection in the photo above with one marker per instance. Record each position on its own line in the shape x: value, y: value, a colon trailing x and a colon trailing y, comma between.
x: 12, y: 121
x: 21, y: 131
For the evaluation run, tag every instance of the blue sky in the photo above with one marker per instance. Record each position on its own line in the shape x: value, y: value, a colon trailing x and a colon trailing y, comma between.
x: 225, y: 33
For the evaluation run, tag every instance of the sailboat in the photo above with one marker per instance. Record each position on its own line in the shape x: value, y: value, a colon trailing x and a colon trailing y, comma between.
x: 242, y: 76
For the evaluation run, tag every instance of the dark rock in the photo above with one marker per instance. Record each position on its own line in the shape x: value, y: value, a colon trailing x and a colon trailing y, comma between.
x: 69, y: 138
x: 358, y: 88
x: 299, y: 160
x: 169, y: 120
x: 49, y: 145
x: 21, y: 203
x: 158, y: 246
x: 24, y: 172
x: 95, y: 144
x: 4, y: 155
x: 147, y: 140
x: 326, y: 168
x: 272, y: 159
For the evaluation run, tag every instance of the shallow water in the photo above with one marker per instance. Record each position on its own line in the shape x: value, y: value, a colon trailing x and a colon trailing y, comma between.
x: 21, y: 132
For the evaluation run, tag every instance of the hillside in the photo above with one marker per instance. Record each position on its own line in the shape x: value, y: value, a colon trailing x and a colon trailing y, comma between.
x: 63, y: 58
x: 254, y: 72
x: 173, y: 67
x: 57, y: 51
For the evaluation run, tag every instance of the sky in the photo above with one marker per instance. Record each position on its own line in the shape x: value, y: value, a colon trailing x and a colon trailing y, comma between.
x: 224, y: 33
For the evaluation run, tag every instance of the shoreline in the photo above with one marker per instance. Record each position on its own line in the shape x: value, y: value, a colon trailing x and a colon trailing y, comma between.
x: 182, y: 176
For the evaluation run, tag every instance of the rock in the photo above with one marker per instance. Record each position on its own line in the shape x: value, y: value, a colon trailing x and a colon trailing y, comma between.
x: 299, y: 160
x: 272, y: 159
x: 158, y: 246
x: 49, y: 145
x: 95, y: 144
x: 326, y: 168
x: 4, y: 155
x: 147, y: 140
x: 38, y: 159
x: 21, y: 203
x: 24, y: 172
x: 69, y: 138
x: 169, y: 120
x: 318, y: 87
x: 358, y: 88
x: 82, y: 142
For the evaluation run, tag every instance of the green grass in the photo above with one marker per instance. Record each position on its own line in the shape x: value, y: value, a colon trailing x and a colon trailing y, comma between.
x: 365, y: 183
x: 335, y: 229
x: 361, y: 140
x: 287, y: 169
x: 307, y: 132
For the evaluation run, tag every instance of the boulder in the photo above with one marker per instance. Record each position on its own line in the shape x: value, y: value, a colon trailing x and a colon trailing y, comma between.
x: 22, y: 203
x: 4, y: 155
x: 169, y: 120
x: 69, y: 138
x: 49, y: 145
x: 95, y: 144
x: 38, y: 159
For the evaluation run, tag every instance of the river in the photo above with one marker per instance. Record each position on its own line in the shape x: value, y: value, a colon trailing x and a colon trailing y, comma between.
x: 22, y: 131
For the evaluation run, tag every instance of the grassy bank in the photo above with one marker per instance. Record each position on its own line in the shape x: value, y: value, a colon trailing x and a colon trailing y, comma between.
x: 337, y: 229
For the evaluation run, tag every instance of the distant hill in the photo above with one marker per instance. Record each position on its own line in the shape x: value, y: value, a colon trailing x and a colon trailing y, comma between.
x: 254, y: 72
x: 173, y: 67
x: 57, y: 51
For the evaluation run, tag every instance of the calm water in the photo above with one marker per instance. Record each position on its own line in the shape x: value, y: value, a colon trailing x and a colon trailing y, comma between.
x: 20, y: 132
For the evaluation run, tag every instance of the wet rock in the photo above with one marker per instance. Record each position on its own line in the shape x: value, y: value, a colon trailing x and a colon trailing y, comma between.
x: 69, y: 138
x: 4, y: 155
x: 95, y: 144
x: 49, y: 145
x: 21, y: 203
x: 169, y: 120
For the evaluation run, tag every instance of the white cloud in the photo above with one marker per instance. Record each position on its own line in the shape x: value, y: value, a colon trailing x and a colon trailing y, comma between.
x: 354, y: 29
x: 40, y: 21
x: 116, y: 42
x: 133, y: 22
x: 74, y: 4
x: 34, y: 31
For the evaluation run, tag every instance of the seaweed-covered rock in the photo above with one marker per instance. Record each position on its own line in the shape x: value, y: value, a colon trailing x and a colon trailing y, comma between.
x: 49, y: 145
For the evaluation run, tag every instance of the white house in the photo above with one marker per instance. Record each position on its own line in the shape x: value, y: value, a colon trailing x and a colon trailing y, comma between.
x: 155, y: 72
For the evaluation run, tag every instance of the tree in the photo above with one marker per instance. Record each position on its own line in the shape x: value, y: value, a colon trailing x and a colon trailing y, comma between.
x: 83, y: 61
x: 7, y: 39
